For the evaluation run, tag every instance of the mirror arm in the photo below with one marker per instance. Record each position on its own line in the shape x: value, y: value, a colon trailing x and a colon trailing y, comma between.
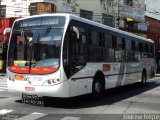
x: 7, y: 30
x: 76, y: 31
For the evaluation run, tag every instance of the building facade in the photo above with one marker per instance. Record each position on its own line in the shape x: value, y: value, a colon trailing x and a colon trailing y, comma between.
x: 152, y: 16
x: 153, y: 32
x: 124, y: 14
x: 133, y: 14
x: 23, y: 8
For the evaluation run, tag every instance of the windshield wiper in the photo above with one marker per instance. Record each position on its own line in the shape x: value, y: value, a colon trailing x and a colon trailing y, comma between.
x: 45, y: 32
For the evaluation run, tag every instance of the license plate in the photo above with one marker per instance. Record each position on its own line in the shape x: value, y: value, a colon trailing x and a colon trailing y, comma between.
x: 32, y: 99
x: 30, y: 89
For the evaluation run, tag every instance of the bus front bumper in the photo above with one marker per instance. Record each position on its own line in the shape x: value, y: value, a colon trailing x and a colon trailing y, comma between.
x: 60, y: 90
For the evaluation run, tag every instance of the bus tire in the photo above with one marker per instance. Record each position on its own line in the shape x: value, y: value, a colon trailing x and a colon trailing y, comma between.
x: 144, y: 77
x: 98, y: 86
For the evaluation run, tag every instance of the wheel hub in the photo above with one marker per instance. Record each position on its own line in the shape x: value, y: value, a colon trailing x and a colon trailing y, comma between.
x: 97, y: 87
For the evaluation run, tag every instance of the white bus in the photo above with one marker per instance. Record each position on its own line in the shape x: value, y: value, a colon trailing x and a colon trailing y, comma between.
x: 63, y: 55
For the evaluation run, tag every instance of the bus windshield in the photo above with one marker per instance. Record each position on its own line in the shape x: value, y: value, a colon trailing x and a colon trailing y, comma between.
x: 35, y: 50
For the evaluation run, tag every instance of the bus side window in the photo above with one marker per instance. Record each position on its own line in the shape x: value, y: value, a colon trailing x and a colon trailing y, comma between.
x: 114, y: 47
x: 123, y: 44
x: 151, y: 51
x: 140, y: 47
x: 107, y: 49
x: 132, y: 55
x: 95, y: 46
x: 119, y: 51
x: 114, y: 42
x: 129, y: 47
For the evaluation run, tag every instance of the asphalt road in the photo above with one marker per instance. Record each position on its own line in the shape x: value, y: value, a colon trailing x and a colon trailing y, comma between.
x: 125, y: 103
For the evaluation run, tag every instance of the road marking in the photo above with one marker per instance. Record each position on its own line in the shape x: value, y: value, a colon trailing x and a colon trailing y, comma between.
x: 70, y: 118
x: 5, y: 111
x: 3, y: 83
x: 32, y: 116
x: 3, y: 87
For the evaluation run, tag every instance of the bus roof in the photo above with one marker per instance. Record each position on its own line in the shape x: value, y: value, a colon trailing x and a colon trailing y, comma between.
x: 71, y: 16
x: 109, y: 28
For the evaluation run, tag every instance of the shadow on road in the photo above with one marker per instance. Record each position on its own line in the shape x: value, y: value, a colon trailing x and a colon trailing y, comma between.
x: 110, y: 96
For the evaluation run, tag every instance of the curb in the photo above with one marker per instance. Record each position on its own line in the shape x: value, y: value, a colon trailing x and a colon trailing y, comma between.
x: 157, y: 75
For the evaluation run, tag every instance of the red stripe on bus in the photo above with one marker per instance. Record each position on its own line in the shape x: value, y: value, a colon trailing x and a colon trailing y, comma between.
x: 37, y: 70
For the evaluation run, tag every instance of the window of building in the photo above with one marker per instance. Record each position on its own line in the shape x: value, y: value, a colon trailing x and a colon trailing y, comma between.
x: 86, y: 14
x: 129, y: 2
x: 68, y: 1
x: 2, y: 11
x: 107, y: 20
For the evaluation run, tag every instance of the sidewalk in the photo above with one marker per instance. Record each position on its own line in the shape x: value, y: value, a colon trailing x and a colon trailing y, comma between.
x: 157, y: 75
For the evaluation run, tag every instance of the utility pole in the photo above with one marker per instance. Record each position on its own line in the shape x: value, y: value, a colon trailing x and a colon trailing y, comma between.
x: 116, y: 6
x: 118, y: 18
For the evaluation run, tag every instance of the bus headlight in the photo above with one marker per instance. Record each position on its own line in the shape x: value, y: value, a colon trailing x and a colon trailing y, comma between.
x: 11, y: 79
x: 49, y: 82
x: 55, y: 81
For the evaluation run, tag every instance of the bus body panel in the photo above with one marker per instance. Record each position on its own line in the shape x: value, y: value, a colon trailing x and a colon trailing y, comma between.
x: 42, y: 89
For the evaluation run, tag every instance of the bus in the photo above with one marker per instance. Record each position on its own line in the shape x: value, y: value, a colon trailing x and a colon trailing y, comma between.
x: 62, y: 55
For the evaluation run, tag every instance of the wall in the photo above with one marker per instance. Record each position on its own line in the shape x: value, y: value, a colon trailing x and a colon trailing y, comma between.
x: 154, y: 25
x: 153, y: 30
x: 4, y: 23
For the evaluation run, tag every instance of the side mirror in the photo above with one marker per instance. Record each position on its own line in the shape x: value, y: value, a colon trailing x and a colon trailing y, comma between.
x: 7, y: 30
x: 74, y: 29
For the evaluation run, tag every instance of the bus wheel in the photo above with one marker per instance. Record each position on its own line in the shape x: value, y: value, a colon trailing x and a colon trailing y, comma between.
x: 144, y: 78
x: 98, y: 87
